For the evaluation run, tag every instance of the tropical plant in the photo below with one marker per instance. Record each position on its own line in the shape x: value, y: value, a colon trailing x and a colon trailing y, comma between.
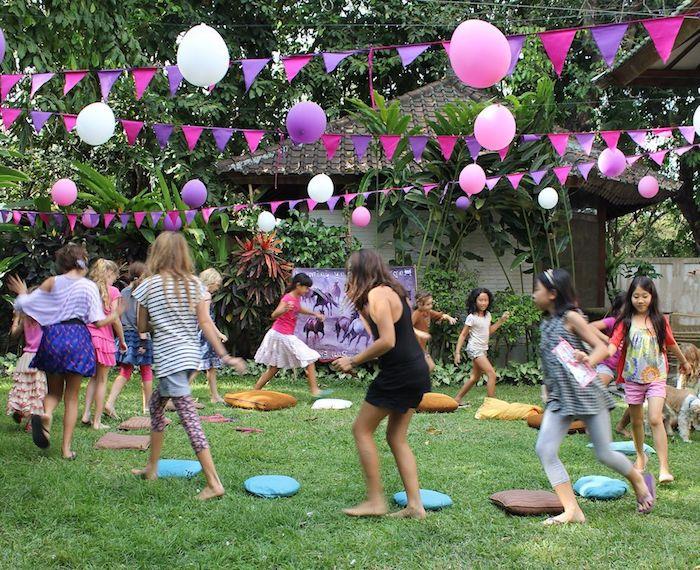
x: 522, y: 324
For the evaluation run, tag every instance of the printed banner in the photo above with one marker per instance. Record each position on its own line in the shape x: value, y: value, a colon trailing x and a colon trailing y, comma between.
x: 342, y: 332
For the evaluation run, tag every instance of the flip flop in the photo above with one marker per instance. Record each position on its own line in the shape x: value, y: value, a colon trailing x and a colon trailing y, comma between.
x: 466, y: 405
x: 248, y: 429
x: 323, y: 394
x: 649, y: 480
x: 39, y: 433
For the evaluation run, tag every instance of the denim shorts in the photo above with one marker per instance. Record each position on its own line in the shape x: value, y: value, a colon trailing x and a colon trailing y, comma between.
x: 175, y: 385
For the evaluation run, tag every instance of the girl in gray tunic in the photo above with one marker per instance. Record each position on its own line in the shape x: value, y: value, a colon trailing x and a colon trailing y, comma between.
x: 568, y: 400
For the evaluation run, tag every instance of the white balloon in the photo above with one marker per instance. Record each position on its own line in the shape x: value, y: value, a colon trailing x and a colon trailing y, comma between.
x: 95, y: 124
x: 696, y: 121
x: 548, y: 198
x: 320, y: 188
x: 202, y: 56
x: 266, y: 222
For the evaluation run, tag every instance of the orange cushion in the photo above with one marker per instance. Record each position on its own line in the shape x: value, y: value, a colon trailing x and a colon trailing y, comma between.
x: 524, y: 502
x: 577, y: 426
x: 264, y: 400
x: 435, y: 402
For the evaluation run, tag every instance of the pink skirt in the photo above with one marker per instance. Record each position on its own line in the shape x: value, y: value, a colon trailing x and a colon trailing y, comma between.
x: 105, y: 353
x: 28, y: 388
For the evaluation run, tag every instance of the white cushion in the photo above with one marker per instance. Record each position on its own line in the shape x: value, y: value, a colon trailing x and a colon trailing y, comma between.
x: 331, y: 404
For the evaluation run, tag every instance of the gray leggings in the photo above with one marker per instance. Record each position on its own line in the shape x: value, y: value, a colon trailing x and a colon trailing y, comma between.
x: 552, y: 432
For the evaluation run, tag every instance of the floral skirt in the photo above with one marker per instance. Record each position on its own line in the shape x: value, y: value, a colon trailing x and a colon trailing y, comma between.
x: 28, y: 388
x: 66, y: 348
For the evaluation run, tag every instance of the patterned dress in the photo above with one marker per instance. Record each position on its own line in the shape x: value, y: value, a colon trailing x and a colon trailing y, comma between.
x: 208, y: 356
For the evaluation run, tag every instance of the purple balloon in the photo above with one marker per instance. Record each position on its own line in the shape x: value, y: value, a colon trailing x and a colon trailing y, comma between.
x: 90, y: 218
x: 171, y: 226
x: 306, y: 122
x: 2, y: 46
x: 463, y: 202
x: 194, y: 193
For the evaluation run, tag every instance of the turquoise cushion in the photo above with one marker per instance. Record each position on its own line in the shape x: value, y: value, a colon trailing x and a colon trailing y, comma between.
x: 599, y: 487
x: 178, y: 468
x: 627, y: 447
x: 432, y: 500
x: 272, y: 486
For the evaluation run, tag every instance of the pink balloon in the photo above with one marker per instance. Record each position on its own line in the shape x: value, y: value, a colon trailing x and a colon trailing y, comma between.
x: 648, y: 187
x: 612, y: 162
x: 472, y: 179
x: 194, y: 193
x: 361, y: 216
x: 494, y: 127
x: 306, y: 122
x: 90, y: 218
x: 64, y: 192
x: 463, y: 202
x: 171, y: 226
x: 479, y: 54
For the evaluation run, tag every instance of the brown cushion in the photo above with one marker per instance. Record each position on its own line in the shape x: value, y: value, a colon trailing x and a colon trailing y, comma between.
x: 122, y: 441
x: 264, y: 400
x: 525, y: 503
x: 139, y: 423
x: 435, y: 402
x: 535, y: 421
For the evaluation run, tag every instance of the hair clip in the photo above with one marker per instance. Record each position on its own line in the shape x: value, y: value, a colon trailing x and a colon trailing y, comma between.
x: 81, y: 263
x: 549, y: 274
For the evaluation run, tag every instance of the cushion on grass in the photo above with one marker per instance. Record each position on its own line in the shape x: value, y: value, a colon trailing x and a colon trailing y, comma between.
x: 187, y: 468
x: 535, y: 421
x: 525, y: 503
x: 599, y: 487
x: 432, y: 500
x: 435, y: 402
x: 272, y: 486
x: 627, y: 447
x: 331, y: 404
x: 264, y: 400
x: 495, y: 409
x: 122, y: 441
x: 139, y: 423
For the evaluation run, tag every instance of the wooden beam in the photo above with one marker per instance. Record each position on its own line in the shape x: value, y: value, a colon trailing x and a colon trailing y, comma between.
x: 691, y: 44
x: 602, y: 252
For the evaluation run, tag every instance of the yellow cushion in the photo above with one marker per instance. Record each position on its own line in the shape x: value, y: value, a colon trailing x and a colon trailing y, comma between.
x: 495, y: 409
x: 434, y: 402
x: 264, y: 400
x: 535, y: 421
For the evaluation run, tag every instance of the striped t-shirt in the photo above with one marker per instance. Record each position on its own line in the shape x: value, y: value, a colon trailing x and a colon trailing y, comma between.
x: 175, y: 340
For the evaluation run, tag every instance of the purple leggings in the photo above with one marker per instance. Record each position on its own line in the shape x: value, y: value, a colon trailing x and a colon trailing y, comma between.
x: 188, y: 417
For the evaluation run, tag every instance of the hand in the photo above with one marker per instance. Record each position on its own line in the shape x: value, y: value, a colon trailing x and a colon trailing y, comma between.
x: 505, y: 316
x: 141, y: 350
x: 238, y: 364
x: 579, y: 355
x: 122, y: 345
x: 457, y: 359
x: 16, y: 285
x: 450, y: 319
x: 320, y: 316
x: 343, y: 364
x: 223, y: 337
x: 685, y: 368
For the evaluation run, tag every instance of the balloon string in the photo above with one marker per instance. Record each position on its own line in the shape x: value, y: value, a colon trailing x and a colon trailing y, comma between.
x: 370, y: 57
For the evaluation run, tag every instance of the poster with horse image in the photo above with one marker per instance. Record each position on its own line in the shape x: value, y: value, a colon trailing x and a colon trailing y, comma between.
x: 342, y: 332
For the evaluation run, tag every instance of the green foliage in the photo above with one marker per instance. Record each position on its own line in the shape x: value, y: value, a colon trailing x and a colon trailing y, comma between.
x: 522, y: 324
x: 7, y: 363
x: 362, y: 375
x: 520, y: 373
x: 447, y: 374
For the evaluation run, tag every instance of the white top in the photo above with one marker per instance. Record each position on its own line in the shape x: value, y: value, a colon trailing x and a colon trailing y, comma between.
x: 68, y: 299
x: 175, y: 340
x: 478, y: 332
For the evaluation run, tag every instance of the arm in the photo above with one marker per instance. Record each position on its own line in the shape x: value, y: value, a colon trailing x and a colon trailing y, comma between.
x: 684, y: 366
x: 142, y: 321
x: 577, y: 324
x: 305, y: 311
x: 497, y: 325
x: 117, y: 325
x: 460, y: 343
x: 16, y: 327
x: 442, y: 317
x: 207, y: 305
x: 212, y: 334
x: 281, y: 309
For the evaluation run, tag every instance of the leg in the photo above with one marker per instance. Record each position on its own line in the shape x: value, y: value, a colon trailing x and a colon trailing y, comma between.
x: 311, y: 379
x: 54, y: 394
x: 621, y: 426
x: 363, y: 430
x: 396, y: 430
x: 486, y: 367
x: 146, y: 385
x: 89, y: 397
x: 125, y: 371
x: 268, y: 375
x: 100, y: 389
x: 637, y: 417
x: 552, y: 432
x: 213, y: 388
x: 71, y: 403
x: 157, y: 409
x: 656, y: 421
x: 469, y: 384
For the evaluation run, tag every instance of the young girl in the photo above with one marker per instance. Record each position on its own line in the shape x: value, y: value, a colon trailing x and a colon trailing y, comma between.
x: 281, y: 348
x: 63, y: 305
x: 478, y: 328
x: 171, y: 302
x: 422, y: 317
x: 139, y: 348
x: 103, y: 273
x: 209, y: 362
x: 28, y: 384
x: 568, y: 400
x: 642, y: 335
x: 398, y: 388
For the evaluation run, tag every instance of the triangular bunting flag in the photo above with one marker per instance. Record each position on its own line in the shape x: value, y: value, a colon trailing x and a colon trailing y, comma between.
x: 608, y: 39
x: 16, y: 217
x: 538, y: 175
x: 192, y: 134
x: 332, y: 201
x: 389, y: 144
x: 58, y: 219
x: 155, y: 217
x: 189, y: 216
x: 360, y: 142
x: 663, y: 132
x: 206, y: 214
x: 630, y: 160
x: 688, y: 133
x: 174, y: 216
x: 253, y: 139
x: 107, y: 218
x: 418, y: 144
x: 7, y: 82
x: 174, y: 78
x: 310, y: 204
x: 221, y: 137
x: 349, y: 198
x: 38, y: 79
x: 69, y: 122
x: 504, y: 152
x: 131, y: 130
x: 639, y: 137
x: 294, y: 64
x: 142, y: 78
x: 585, y: 140
x: 663, y: 32
x: 39, y: 119
x: 72, y: 218
x: 611, y: 138
x: 275, y: 205
x: 562, y: 173
x: 658, y: 157
x: 108, y: 78
x: 124, y: 219
x: 293, y: 204
x: 9, y: 116
x: 251, y: 68
x: 238, y: 207
x: 447, y: 145
x: 559, y: 142
x: 446, y: 47
x: 331, y: 60
x: 428, y: 187
x: 473, y: 146
x: 515, y: 179
x: 557, y: 45
x: 162, y: 132
x: 491, y: 182
x: 516, y: 45
x: 530, y: 138
x: 71, y: 79
x: 410, y: 52
x: 682, y: 150
x: 585, y: 169
x: 31, y: 216
x: 330, y: 142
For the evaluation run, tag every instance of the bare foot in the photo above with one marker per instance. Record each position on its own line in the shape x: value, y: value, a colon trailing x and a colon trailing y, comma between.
x: 211, y: 493
x: 666, y: 477
x: 641, y: 463
x: 217, y: 400
x: 409, y: 513
x: 100, y: 426
x: 110, y: 413
x: 566, y: 518
x: 368, y: 509
x: 147, y: 473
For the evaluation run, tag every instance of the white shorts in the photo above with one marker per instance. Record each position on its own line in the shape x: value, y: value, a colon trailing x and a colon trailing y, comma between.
x: 473, y: 353
x: 605, y: 370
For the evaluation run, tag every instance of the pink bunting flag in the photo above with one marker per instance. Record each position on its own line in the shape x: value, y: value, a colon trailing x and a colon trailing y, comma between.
x: 658, y: 157
x: 72, y: 219
x: 38, y: 79
x: 562, y: 173
x: 251, y: 69
x: 688, y: 133
x: 349, y: 198
x: 131, y: 130
x: 409, y: 53
x: 515, y: 179
x: 7, y: 82
x: 16, y: 217
x: 155, y: 217
x: 360, y: 142
x: 221, y: 137
x: 293, y: 64
x: 142, y: 79
x: 69, y: 122
x: 310, y: 204
x: 44, y: 217
x: 639, y: 137
x: 138, y: 218
x: 71, y: 79
x: 9, y: 116
x: 253, y: 139
x: 418, y: 144
x: 585, y: 140
x: 446, y: 47
x: 516, y: 46
x: 162, y: 132
x: 107, y: 218
x: 491, y: 182
x: 124, y: 219
x: 389, y: 144
x: 189, y: 216
x: 663, y: 132
x: 557, y: 45
x: 173, y: 215
x: 611, y: 138
x: 331, y: 143
x: 39, y: 119
x: 107, y: 78
x: 428, y: 187
x: 663, y: 32
x: 585, y: 169
x: 630, y: 160
x: 206, y: 214
x: 275, y: 205
x: 608, y: 39
x: 559, y: 142
x: 504, y: 152
x: 682, y: 150
x: 538, y: 175
x: 331, y: 60
x: 332, y: 201
x: 174, y: 78
x: 406, y: 189
x: 192, y: 134
x: 447, y: 144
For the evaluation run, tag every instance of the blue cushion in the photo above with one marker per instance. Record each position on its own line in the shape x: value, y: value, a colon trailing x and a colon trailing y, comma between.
x: 178, y: 468
x: 432, y: 500
x: 272, y: 486
x: 599, y: 487
x: 627, y: 447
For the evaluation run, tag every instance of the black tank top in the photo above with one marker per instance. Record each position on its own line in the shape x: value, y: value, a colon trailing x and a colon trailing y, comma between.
x: 406, y: 348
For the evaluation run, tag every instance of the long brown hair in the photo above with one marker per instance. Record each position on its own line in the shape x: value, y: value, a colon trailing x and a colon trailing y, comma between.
x: 367, y: 270
x: 169, y: 257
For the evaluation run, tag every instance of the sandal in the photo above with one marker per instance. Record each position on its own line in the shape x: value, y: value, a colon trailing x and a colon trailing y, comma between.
x: 40, y: 435
x: 323, y: 394
x: 649, y: 480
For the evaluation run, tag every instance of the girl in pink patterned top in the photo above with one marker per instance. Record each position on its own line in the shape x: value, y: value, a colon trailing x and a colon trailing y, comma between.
x: 281, y: 348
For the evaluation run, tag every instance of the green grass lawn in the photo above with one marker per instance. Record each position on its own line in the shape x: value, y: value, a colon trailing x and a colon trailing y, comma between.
x: 92, y: 513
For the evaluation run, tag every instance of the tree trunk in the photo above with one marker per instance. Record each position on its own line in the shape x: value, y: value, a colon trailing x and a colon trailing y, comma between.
x: 685, y: 198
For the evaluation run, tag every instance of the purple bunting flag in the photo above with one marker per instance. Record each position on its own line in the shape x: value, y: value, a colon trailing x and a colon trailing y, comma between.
x: 360, y: 142
x: 409, y: 53
x: 124, y: 219
x: 585, y: 169
x: 174, y: 78
x: 516, y: 45
x: 162, y: 132
x: 473, y: 146
x: 331, y: 60
x: 107, y: 78
x: 332, y: 201
x: 39, y: 119
x: 38, y: 79
x: 491, y: 182
x: 585, y: 140
x: 221, y: 137
x: 538, y: 175
x: 155, y: 217
x: 608, y: 39
x: 418, y: 144
x: 251, y: 68
x: 688, y: 133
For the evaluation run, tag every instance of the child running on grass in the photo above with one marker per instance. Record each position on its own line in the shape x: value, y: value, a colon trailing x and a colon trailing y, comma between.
x: 171, y: 302
x: 422, y: 317
x: 478, y: 328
